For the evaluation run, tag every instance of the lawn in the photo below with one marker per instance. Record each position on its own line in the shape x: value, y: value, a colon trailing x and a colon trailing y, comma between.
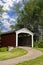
x: 12, y: 54
x: 37, y: 61
x: 41, y: 49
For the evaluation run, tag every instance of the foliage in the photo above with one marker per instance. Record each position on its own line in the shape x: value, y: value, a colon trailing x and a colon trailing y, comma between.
x: 16, y: 8
x: 40, y: 44
x: 35, y: 44
x: 4, y: 49
x: 1, y: 12
x: 41, y: 49
x: 31, y: 16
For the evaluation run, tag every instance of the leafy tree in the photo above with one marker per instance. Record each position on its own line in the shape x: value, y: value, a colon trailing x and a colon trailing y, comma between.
x: 31, y: 16
x: 0, y: 17
x: 1, y: 12
x: 16, y: 8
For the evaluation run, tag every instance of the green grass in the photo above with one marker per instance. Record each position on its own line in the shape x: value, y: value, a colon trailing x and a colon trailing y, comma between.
x: 41, y: 49
x: 37, y: 61
x: 12, y: 54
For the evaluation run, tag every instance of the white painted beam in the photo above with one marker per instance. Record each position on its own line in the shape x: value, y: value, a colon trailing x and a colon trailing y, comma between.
x: 16, y: 40
x: 32, y: 41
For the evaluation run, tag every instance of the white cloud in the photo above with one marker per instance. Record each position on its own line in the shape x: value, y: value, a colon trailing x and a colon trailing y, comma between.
x: 5, y: 21
x: 7, y: 4
x: 17, y: 1
x: 8, y: 1
x: 11, y: 19
x: 5, y: 15
x: 1, y: 3
x: 6, y: 24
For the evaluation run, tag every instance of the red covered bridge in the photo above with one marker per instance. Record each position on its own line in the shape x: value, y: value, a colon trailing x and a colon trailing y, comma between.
x: 22, y: 37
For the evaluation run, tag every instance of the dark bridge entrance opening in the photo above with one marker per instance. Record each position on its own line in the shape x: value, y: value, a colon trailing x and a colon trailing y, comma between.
x: 24, y: 39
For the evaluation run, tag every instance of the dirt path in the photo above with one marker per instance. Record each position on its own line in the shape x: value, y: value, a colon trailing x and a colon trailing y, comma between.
x: 32, y: 53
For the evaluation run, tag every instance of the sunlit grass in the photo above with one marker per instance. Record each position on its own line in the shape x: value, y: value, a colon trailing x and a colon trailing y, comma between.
x: 37, y: 61
x: 12, y: 54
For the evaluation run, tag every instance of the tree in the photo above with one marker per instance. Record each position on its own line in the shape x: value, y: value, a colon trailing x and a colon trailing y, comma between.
x: 32, y: 13
x: 1, y: 12
x: 31, y: 16
x: 0, y: 17
x: 16, y: 8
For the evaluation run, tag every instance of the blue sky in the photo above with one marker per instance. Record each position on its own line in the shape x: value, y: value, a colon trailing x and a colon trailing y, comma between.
x: 8, y: 17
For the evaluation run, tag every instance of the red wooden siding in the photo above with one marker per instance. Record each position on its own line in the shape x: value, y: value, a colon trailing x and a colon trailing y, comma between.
x: 8, y: 39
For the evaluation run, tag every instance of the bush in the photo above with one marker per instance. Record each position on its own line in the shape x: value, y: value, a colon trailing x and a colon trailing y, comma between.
x: 3, y: 49
x: 35, y: 44
x: 40, y: 44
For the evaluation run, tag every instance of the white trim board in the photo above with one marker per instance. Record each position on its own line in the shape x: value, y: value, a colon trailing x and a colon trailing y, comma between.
x: 23, y: 30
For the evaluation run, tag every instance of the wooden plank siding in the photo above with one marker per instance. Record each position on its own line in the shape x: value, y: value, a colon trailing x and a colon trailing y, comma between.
x: 8, y: 39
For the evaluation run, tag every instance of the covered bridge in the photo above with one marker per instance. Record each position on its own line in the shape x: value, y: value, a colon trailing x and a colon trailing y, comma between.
x: 22, y: 37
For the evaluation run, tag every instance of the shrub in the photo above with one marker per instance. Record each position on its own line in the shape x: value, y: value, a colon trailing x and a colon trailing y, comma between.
x: 35, y: 44
x: 3, y: 49
x: 40, y: 44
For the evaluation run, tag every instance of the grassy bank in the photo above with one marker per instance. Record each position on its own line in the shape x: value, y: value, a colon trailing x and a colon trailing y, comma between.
x: 37, y: 61
x: 12, y: 54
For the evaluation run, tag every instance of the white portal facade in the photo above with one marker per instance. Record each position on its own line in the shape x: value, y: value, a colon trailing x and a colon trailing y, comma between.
x: 24, y: 30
